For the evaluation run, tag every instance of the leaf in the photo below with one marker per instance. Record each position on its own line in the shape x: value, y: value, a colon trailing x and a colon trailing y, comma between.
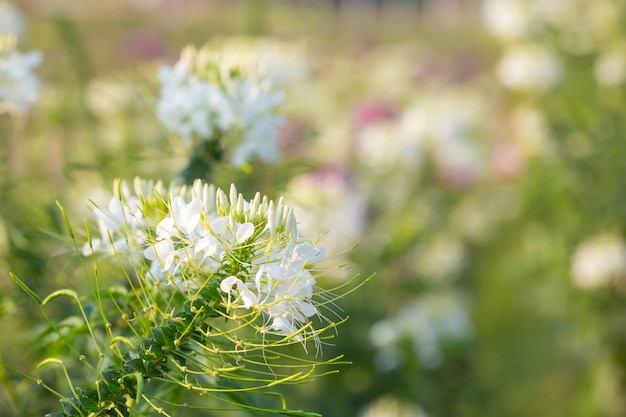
x: 71, y: 407
x: 158, y: 335
x: 88, y: 398
x: 134, y: 365
x: 110, y: 377
x: 25, y: 288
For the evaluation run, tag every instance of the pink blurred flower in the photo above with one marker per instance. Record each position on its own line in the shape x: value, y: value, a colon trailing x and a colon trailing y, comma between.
x: 506, y: 159
x: 458, y: 176
x: 372, y: 111
x: 142, y: 46
x: 292, y: 134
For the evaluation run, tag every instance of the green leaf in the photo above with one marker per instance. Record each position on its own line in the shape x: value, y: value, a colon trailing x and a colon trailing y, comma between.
x: 25, y: 288
x: 110, y: 377
x: 71, y: 407
x: 88, y: 398
x: 158, y: 335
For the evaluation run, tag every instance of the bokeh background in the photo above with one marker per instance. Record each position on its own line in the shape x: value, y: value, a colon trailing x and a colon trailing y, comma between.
x: 476, y: 150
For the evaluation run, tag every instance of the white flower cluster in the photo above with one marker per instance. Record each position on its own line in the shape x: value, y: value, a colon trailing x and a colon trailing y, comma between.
x: 204, y: 97
x: 599, y: 261
x: 19, y: 85
x: 11, y: 20
x: 193, y: 235
x: 529, y: 68
x: 429, y: 321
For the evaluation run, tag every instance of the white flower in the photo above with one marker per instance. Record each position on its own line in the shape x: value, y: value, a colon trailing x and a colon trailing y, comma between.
x: 190, y: 107
x: 441, y: 259
x: 206, y: 96
x: 247, y: 296
x: 285, y: 285
x: 610, y: 69
x: 19, y: 86
x: 507, y: 19
x: 428, y: 321
x: 253, y: 106
x: 529, y: 67
x: 387, y: 406
x: 190, y: 237
x: 11, y: 20
x: 122, y: 222
x: 599, y: 261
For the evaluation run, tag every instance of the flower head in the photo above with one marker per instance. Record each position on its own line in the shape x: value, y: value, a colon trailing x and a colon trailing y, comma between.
x: 198, y: 237
x: 599, y: 261
x: 208, y: 95
x: 19, y: 86
x: 11, y: 20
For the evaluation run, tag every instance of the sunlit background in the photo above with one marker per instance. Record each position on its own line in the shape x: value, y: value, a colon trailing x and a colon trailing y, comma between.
x: 475, y: 150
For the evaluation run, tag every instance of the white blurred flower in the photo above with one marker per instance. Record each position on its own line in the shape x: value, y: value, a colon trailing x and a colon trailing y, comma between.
x: 328, y: 206
x: 190, y: 107
x: 446, y: 127
x: 610, y: 69
x: 382, y: 148
x: 529, y: 68
x: 441, y: 259
x: 19, y: 85
x: 11, y: 20
x: 208, y: 96
x: 428, y: 321
x: 599, y: 261
x: 285, y: 62
x: 253, y: 107
x: 506, y: 19
x: 392, y: 407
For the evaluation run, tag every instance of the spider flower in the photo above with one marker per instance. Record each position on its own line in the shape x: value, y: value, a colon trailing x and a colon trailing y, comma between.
x: 211, y: 96
x: 190, y: 238
x: 19, y: 85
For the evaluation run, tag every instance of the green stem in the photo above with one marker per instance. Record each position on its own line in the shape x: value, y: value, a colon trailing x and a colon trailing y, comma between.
x: 202, y: 161
x: 149, y: 359
x: 10, y: 389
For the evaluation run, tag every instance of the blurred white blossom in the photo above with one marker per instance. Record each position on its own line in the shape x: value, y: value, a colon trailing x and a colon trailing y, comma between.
x: 211, y: 96
x: 441, y: 258
x: 507, y: 19
x: 599, y: 261
x: 387, y: 406
x: 610, y: 69
x: 11, y: 20
x: 529, y: 68
x: 428, y: 322
x: 19, y: 85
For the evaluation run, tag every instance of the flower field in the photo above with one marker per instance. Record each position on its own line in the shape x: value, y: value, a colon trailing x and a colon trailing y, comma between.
x: 344, y: 208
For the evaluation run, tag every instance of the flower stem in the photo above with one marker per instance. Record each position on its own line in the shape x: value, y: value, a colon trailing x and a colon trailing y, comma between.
x: 202, y: 161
